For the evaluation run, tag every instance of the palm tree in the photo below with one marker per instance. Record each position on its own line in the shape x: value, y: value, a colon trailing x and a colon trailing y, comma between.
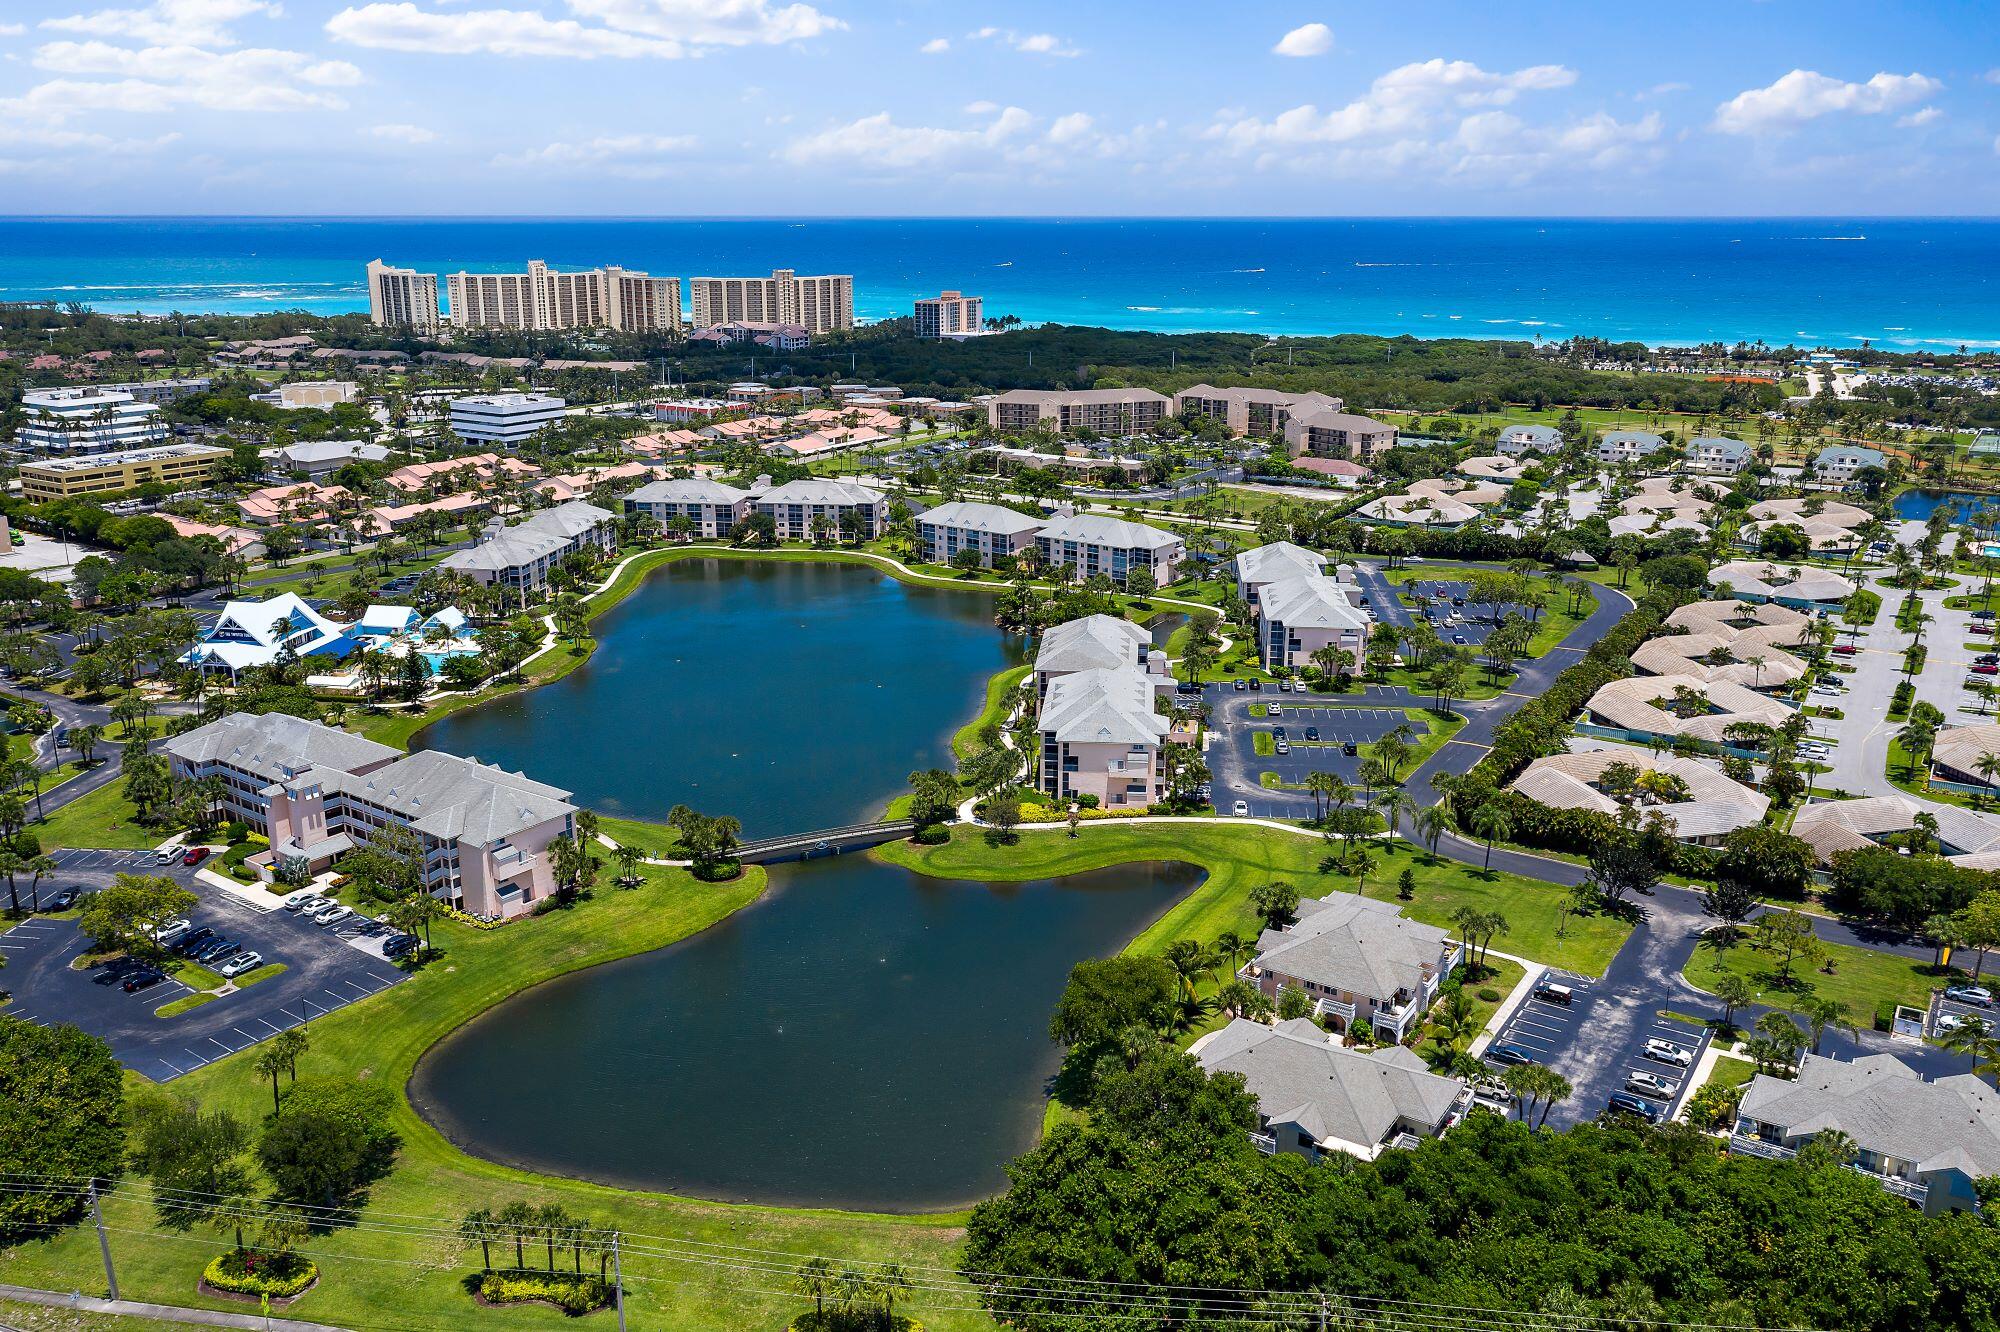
x: 1189, y: 961
x: 270, y: 1062
x: 479, y: 1227
x: 1821, y: 1013
x: 814, y: 1279
x: 1490, y: 821
x: 517, y: 1219
x: 41, y: 867
x: 1430, y: 823
x: 628, y: 858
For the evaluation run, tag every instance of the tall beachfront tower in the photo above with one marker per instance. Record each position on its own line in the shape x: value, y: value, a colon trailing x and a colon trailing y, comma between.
x: 402, y: 298
x: 818, y: 304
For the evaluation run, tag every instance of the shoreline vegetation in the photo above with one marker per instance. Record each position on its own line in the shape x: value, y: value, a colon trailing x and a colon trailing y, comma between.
x: 478, y: 969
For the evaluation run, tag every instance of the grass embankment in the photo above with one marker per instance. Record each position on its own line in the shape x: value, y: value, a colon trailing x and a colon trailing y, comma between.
x: 1867, y: 981
x: 40, y: 1318
x: 380, y: 1039
x: 1002, y: 691
x: 101, y: 818
x: 1238, y: 858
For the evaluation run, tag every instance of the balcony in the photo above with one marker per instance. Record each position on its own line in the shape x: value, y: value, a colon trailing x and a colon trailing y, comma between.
x: 1742, y: 1144
x: 1330, y: 1007
x: 1266, y: 1143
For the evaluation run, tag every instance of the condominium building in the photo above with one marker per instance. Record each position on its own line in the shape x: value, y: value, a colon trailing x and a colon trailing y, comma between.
x: 1088, y: 545
x: 180, y: 466
x: 1101, y: 737
x: 1106, y: 411
x: 402, y: 298
x: 1256, y: 412
x: 505, y: 419
x: 1093, y: 643
x: 992, y: 531
x: 62, y: 422
x: 1331, y: 433
x: 950, y: 315
x: 318, y: 793
x: 820, y: 304
x: 543, y: 299
x: 1718, y: 454
x: 1357, y: 960
x: 1301, y: 616
x: 712, y: 507
x: 519, y: 558
x: 1627, y: 446
x: 797, y: 505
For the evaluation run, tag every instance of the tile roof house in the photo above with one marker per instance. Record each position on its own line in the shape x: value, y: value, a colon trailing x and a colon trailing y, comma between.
x: 1830, y: 527
x: 1833, y: 826
x: 1314, y: 1097
x: 1800, y: 587
x: 1958, y: 751
x: 1416, y: 511
x: 1259, y: 412
x: 1754, y: 654
x: 1633, y: 705
x: 1715, y: 806
x: 1924, y: 1141
x: 1491, y: 467
x: 1357, y: 960
x: 1327, y: 433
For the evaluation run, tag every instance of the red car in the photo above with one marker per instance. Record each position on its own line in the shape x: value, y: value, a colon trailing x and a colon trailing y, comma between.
x: 1979, y: 628
x: 1986, y: 670
x: 1845, y: 649
x: 195, y: 855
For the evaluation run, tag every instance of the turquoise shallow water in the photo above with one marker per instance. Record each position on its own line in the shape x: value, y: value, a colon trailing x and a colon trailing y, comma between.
x: 1915, y: 284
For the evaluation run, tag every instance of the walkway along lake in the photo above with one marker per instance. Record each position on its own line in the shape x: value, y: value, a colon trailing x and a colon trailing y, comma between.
x: 863, y: 1036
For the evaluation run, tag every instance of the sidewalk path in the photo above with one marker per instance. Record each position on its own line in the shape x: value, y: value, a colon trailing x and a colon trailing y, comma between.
x: 171, y: 1313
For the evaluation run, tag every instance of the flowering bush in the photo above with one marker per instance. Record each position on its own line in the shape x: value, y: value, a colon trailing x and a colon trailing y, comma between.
x: 571, y: 1292
x: 279, y: 1275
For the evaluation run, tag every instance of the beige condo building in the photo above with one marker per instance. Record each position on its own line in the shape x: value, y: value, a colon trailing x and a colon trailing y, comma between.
x: 543, y: 299
x: 402, y: 298
x: 818, y: 304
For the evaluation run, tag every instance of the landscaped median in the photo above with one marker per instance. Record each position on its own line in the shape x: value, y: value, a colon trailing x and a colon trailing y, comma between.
x: 1870, y: 984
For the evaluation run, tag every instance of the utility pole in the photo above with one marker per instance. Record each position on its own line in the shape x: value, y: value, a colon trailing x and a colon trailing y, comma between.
x: 103, y: 1241
x: 618, y: 1281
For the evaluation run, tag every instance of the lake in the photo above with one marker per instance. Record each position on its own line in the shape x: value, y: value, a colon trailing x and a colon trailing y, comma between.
x: 1919, y: 505
x: 862, y: 1036
x: 794, y: 695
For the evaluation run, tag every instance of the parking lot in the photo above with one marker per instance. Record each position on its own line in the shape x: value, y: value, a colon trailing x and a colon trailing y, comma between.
x: 1462, y: 623
x: 1561, y: 1036
x: 325, y: 970
x: 1315, y: 730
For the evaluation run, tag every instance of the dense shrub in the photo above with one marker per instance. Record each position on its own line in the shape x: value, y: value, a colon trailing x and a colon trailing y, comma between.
x: 279, y: 1275
x: 62, y: 1106
x: 1901, y: 892
x: 936, y: 834
x: 574, y: 1293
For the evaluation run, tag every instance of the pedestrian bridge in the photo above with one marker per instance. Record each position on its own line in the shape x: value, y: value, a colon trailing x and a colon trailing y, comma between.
x: 826, y: 842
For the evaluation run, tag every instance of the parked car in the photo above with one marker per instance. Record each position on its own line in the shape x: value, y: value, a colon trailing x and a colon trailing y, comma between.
x: 1552, y: 993
x: 1284, y: 686
x: 1508, y: 1054
x: 1627, y: 1103
x: 1274, y: 710
x: 214, y: 949
x: 1980, y: 628
x: 1240, y: 808
x: 1976, y: 995
x: 1312, y: 732
x: 239, y: 964
x: 143, y: 978
x: 65, y: 898
x: 1652, y: 1084
x: 1666, y: 1052
x: 166, y: 855
x: 1982, y: 615
x: 1239, y: 685
x: 331, y: 914
x: 1458, y: 639
x: 1987, y: 659
x: 399, y: 945
x: 1845, y: 649
x: 302, y: 898
x: 171, y: 933
x: 1349, y: 748
x: 1282, y: 748
x: 195, y: 855
x: 1985, y: 668
x: 1256, y: 686
x: 187, y: 946
x: 1279, y: 733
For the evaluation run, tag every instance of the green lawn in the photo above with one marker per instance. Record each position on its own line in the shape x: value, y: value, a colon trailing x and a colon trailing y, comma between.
x: 103, y: 818
x: 1501, y: 978
x: 1437, y: 731
x: 1239, y: 858
x: 1001, y: 693
x: 1731, y: 1073
x: 1863, y: 979
x: 381, y: 1038
x: 655, y: 839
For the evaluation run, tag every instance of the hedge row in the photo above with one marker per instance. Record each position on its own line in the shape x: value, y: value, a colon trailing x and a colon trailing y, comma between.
x: 1579, y: 832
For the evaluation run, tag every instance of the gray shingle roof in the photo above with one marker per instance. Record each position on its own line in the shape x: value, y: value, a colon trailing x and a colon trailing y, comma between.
x: 1338, y: 1097
x: 812, y: 490
x: 276, y: 745
x: 1280, y: 559
x: 455, y: 799
x: 1310, y: 602
x: 687, y: 490
x: 1886, y: 1107
x: 1094, y: 642
x: 976, y: 517
x: 1351, y: 943
x: 1097, y: 530
x: 1103, y: 707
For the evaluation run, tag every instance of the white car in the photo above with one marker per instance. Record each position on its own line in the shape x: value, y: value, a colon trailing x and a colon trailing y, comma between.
x: 239, y: 964
x: 331, y: 914
x: 167, y: 855
x: 1666, y: 1052
x: 1652, y: 1084
x: 1275, y: 710
x: 1240, y: 808
x: 172, y: 932
x: 304, y: 897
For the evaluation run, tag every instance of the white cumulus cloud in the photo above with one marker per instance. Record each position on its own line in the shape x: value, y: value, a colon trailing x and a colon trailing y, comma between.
x: 167, y: 22
x: 629, y: 156
x: 615, y: 29
x: 1011, y: 137
x: 936, y: 46
x: 1408, y: 100
x: 1923, y: 115
x: 157, y: 79
x: 1311, y: 39
x: 1031, y: 43
x: 404, y: 133
x: 1805, y: 94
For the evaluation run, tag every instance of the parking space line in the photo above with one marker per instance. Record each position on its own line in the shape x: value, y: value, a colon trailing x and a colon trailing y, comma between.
x: 220, y: 1046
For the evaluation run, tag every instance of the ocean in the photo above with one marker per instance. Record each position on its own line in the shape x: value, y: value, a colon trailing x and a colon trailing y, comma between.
x: 1902, y: 284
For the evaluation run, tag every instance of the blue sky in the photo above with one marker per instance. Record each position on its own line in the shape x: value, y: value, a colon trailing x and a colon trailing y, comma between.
x: 935, y: 108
